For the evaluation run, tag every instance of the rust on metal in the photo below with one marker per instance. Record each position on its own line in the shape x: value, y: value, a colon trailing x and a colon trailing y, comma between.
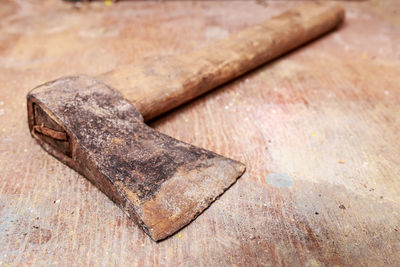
x: 50, y: 132
x: 159, y: 181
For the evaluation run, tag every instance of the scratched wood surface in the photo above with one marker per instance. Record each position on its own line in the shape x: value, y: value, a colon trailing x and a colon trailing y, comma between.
x: 318, y: 130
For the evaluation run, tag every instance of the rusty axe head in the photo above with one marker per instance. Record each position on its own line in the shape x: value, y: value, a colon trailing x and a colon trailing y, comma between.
x: 159, y: 181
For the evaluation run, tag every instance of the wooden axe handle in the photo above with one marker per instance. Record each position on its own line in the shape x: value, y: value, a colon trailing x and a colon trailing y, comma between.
x: 157, y: 85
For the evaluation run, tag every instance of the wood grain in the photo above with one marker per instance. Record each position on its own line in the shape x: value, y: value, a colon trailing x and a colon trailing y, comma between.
x: 157, y: 85
x: 317, y: 128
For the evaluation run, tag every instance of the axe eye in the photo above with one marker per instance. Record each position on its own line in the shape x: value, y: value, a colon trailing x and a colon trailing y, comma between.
x: 49, y: 131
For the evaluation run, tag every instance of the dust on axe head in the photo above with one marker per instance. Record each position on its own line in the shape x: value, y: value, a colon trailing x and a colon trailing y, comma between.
x: 157, y: 180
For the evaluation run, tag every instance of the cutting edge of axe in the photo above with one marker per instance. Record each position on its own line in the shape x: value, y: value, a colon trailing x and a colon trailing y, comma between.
x: 160, y: 182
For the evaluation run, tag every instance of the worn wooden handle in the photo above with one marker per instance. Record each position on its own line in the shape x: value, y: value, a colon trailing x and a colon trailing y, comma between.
x: 157, y: 85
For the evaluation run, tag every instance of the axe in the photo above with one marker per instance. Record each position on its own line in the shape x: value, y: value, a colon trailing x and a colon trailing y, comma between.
x: 96, y: 125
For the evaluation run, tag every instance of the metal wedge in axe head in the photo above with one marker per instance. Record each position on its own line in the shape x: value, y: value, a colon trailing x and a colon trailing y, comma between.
x: 160, y: 182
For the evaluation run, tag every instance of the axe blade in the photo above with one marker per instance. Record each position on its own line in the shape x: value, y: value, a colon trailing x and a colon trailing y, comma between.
x: 160, y: 182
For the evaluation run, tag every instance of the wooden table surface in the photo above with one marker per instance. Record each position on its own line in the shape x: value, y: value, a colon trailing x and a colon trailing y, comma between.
x: 317, y: 128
